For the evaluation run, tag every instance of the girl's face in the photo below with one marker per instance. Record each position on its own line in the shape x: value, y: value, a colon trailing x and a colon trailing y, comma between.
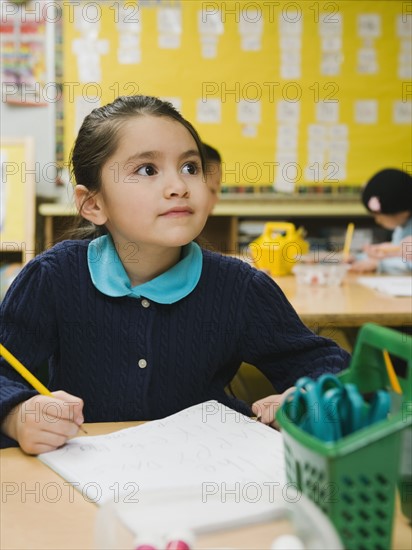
x: 153, y: 190
x: 391, y: 221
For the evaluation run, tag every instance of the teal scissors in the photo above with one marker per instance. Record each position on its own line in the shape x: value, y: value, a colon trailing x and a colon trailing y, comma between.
x: 328, y: 409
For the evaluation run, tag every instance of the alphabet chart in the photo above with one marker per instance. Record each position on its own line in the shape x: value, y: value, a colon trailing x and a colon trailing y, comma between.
x: 293, y: 94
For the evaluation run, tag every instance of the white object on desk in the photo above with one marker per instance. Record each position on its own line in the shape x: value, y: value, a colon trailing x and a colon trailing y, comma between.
x: 394, y: 286
x: 205, y: 448
x: 233, y: 505
x: 117, y: 524
x: 204, y: 468
x: 287, y: 542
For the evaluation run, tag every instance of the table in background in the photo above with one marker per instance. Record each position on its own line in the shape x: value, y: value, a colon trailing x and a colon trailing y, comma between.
x: 332, y: 310
x: 348, y: 305
x: 54, y: 516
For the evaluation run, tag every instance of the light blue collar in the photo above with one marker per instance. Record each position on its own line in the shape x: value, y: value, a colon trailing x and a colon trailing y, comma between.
x: 110, y: 277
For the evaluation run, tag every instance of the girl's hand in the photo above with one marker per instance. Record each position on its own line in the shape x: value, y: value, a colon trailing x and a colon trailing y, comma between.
x: 265, y: 409
x: 364, y: 266
x: 383, y: 250
x: 44, y: 423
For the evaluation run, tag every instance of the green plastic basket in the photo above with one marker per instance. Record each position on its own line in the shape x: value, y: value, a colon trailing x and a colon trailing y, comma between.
x: 354, y: 480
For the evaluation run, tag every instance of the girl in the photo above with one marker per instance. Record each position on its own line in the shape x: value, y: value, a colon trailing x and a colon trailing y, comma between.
x: 140, y: 322
x: 388, y: 197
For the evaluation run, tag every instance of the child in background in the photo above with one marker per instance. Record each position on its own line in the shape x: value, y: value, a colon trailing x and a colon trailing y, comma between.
x: 213, y: 173
x: 388, y: 197
x: 140, y: 322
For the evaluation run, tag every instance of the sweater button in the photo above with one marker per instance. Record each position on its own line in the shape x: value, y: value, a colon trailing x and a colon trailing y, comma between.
x: 145, y: 303
x: 142, y: 363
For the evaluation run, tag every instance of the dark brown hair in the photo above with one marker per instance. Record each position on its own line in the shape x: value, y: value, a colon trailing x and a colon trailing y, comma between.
x: 98, y: 139
x: 212, y: 154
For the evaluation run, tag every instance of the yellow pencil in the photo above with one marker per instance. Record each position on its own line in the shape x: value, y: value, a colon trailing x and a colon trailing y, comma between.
x: 26, y: 374
x: 391, y: 373
x: 348, y: 241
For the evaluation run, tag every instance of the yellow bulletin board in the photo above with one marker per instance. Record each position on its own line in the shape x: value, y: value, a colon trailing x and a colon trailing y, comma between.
x: 292, y: 94
x: 17, y: 207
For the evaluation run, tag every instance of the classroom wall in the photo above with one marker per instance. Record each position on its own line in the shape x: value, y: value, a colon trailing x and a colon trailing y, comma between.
x: 36, y: 121
x: 292, y: 93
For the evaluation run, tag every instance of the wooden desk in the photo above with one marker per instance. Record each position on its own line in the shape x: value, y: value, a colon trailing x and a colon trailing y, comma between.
x: 41, y: 511
x: 349, y: 305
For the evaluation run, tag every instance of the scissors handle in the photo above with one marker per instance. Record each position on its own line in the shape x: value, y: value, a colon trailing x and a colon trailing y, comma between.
x: 306, y: 408
x: 329, y: 409
x: 380, y: 406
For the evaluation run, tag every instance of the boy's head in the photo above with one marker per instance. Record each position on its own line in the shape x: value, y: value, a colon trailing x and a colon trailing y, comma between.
x: 213, y: 172
x: 388, y: 197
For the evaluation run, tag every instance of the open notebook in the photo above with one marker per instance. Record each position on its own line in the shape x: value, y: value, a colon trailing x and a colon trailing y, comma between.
x: 208, y: 464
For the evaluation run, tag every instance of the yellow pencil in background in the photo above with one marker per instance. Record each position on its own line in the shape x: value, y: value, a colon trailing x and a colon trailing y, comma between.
x: 393, y: 379
x: 27, y: 375
x: 348, y: 241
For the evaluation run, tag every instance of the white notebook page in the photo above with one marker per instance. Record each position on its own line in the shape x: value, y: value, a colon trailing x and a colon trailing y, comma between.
x: 206, y: 443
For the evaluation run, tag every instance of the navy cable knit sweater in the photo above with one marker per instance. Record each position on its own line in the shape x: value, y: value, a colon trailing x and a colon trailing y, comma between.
x: 133, y: 359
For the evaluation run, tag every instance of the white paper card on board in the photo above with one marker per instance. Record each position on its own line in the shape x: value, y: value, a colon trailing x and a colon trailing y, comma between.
x: 288, y: 112
x: 369, y: 25
x: 169, y: 23
x: 331, y: 43
x: 129, y: 52
x: 331, y: 23
x: 248, y: 112
x: 404, y: 25
x: 327, y: 112
x: 209, y: 111
x: 292, y: 24
x: 287, y: 137
x: 367, y: 61
x: 251, y: 29
x: 402, y: 112
x: 366, y: 111
x: 339, y: 132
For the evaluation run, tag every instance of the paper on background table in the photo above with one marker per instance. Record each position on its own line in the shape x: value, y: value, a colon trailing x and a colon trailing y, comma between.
x: 394, y: 286
x: 207, y: 443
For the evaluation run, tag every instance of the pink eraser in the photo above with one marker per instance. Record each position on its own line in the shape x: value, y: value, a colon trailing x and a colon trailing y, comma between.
x: 180, y: 539
x: 177, y: 545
